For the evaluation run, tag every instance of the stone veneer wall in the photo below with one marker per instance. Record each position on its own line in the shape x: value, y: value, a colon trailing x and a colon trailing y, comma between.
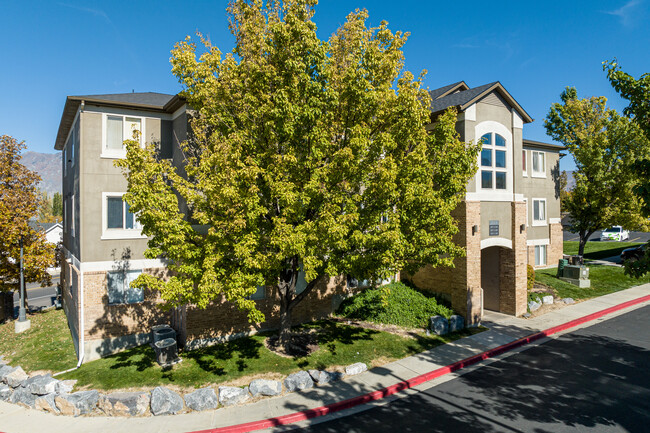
x: 462, y: 284
x: 222, y: 320
x: 69, y: 300
x: 555, y: 250
x: 513, y: 264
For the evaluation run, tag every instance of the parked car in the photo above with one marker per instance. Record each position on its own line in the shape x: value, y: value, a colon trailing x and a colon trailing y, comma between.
x: 634, y: 254
x: 615, y: 233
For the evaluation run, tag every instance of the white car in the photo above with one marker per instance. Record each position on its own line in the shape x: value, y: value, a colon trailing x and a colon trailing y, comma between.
x: 615, y: 233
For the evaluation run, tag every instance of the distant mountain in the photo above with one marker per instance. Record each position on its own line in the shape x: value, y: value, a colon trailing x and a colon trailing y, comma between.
x: 48, y: 166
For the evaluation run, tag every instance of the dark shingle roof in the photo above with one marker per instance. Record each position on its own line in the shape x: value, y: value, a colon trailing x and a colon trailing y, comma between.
x: 435, y: 93
x: 142, y: 98
x: 42, y: 227
x: 459, y: 98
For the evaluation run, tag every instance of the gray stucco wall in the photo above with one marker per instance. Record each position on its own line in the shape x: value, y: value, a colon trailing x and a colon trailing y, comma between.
x: 538, y: 187
x: 496, y: 211
x: 70, y: 188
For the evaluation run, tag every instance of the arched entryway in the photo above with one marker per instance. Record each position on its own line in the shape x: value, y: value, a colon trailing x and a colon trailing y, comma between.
x: 497, y: 277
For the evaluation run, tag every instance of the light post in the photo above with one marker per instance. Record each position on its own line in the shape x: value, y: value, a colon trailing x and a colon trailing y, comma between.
x: 22, y: 324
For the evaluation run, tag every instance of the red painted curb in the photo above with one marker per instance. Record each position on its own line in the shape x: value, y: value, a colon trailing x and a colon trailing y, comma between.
x: 418, y: 380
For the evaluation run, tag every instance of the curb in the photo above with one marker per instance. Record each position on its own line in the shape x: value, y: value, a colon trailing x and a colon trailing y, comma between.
x: 418, y: 380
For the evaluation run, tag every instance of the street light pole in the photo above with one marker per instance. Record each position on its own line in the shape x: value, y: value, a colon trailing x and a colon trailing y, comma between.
x: 21, y: 311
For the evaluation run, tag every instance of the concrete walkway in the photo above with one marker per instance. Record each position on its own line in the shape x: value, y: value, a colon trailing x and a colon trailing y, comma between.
x: 503, y: 329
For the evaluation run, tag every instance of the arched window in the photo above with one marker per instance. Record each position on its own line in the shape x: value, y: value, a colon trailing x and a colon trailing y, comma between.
x: 493, y: 162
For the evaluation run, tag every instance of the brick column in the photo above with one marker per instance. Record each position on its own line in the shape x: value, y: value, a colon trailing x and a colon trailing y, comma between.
x: 513, y: 266
x: 556, y: 246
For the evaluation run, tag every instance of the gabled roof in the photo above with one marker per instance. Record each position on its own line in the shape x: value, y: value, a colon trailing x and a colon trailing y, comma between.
x: 44, y: 227
x: 465, y: 98
x: 446, y: 90
x: 142, y: 101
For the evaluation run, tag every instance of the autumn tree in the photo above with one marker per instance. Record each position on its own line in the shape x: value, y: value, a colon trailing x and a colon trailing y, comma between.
x: 305, y: 155
x: 19, y: 200
x: 57, y: 205
x: 564, y: 190
x: 605, y: 147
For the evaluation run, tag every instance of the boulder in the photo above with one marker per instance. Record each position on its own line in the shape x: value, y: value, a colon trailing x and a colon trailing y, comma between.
x: 357, y: 368
x: 125, y: 403
x: 439, y: 325
x: 265, y: 387
x: 526, y: 315
x: 23, y: 397
x: 533, y: 306
x: 15, y: 377
x: 78, y: 403
x: 5, y: 392
x: 320, y: 377
x: 456, y: 323
x: 164, y: 401
x: 4, y: 369
x: 41, y: 385
x: 202, y: 399
x: 568, y: 301
x: 548, y: 300
x: 46, y: 403
x: 230, y: 395
x: 298, y: 381
x: 65, y: 386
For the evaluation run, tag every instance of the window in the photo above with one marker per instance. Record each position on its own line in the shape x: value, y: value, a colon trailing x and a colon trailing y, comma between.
x: 540, y: 255
x: 524, y: 168
x: 118, y: 215
x: 119, y: 287
x: 259, y: 294
x: 73, y: 282
x: 301, y: 284
x: 117, y: 129
x: 539, y: 164
x: 72, y: 212
x: 493, y: 162
x: 539, y: 211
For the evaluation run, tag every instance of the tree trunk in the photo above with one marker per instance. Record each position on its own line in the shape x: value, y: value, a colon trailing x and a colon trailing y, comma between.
x: 287, y: 289
x: 285, y: 322
x: 584, y: 238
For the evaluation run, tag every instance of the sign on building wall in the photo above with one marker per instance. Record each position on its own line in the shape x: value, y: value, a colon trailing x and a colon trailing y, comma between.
x: 494, y: 227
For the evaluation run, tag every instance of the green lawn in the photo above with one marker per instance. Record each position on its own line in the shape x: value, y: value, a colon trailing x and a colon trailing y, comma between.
x: 46, y: 345
x: 598, y: 250
x: 604, y: 280
x: 339, y: 345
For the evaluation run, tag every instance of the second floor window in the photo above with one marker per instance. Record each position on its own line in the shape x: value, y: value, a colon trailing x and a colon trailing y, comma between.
x: 493, y: 162
x: 118, y: 129
x: 539, y: 211
x: 118, y: 215
x: 539, y: 164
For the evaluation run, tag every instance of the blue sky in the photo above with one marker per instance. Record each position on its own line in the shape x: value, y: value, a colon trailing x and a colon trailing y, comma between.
x: 535, y: 49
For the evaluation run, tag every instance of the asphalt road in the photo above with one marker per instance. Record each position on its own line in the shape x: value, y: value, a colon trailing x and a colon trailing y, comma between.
x: 634, y: 237
x: 38, y: 296
x: 594, y: 379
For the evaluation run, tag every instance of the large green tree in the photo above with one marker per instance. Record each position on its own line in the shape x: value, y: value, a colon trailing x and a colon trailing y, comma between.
x: 305, y: 154
x: 19, y: 201
x: 605, y: 147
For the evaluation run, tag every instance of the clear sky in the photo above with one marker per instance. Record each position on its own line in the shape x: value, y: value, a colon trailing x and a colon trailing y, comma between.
x: 535, y: 49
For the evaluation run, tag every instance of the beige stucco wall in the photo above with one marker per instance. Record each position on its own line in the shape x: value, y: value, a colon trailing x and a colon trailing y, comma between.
x: 499, y: 211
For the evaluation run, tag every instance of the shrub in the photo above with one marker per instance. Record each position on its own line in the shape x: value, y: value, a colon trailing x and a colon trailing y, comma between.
x: 531, y: 277
x: 394, y: 304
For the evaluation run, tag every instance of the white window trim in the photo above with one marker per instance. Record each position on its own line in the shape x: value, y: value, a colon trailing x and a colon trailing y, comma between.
x: 525, y: 172
x: 545, y: 257
x: 124, y: 288
x: 540, y: 222
x: 121, y: 153
x: 540, y: 174
x: 533, y: 242
x: 72, y: 218
x: 494, y: 194
x: 116, y: 233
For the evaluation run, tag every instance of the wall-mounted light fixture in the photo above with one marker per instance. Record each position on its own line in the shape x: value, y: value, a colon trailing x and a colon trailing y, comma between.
x: 522, y: 228
x: 474, y: 229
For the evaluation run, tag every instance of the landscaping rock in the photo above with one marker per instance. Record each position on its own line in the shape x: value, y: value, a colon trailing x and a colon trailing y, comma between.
x: 78, y: 403
x: 568, y: 301
x: 125, y: 403
x: 231, y: 395
x: 15, y: 377
x: 533, y: 306
x: 46, y: 403
x: 320, y: 377
x: 526, y: 315
x: 298, y: 381
x: 4, y: 370
x: 439, y: 325
x: 65, y: 386
x: 5, y: 392
x: 23, y: 397
x: 456, y: 323
x: 41, y: 385
x: 164, y: 401
x: 202, y: 399
x: 265, y: 387
x: 357, y: 368
x: 547, y: 300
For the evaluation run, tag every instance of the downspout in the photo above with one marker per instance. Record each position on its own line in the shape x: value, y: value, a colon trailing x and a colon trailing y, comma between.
x: 82, y: 330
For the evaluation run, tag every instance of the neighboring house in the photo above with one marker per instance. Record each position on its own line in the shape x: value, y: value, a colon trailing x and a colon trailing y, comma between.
x: 511, y: 214
x: 53, y: 231
x: 507, y: 221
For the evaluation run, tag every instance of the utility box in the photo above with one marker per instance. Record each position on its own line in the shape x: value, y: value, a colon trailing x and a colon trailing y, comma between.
x: 578, y: 275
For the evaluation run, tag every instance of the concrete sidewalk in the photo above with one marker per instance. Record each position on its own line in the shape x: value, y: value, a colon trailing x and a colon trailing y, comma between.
x: 503, y: 329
